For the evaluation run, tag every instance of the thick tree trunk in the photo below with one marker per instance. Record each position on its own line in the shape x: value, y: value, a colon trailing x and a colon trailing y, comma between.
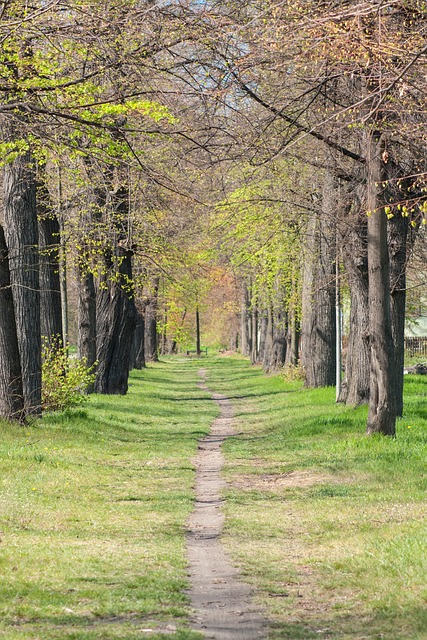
x: 382, y: 407
x: 116, y: 319
x: 86, y: 316
x: 354, y: 244
x: 151, y: 333
x: 318, y: 354
x: 50, y: 289
x: 115, y: 303
x: 20, y: 215
x: 277, y: 356
x: 11, y: 394
x: 138, y: 348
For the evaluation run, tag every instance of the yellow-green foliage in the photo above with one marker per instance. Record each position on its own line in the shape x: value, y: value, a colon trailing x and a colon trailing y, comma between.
x: 65, y: 380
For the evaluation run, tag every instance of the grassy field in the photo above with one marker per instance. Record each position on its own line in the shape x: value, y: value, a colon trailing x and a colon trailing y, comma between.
x: 327, y: 524
x: 92, y: 510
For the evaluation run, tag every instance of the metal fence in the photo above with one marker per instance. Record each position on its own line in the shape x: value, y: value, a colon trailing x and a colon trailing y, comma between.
x: 416, y: 346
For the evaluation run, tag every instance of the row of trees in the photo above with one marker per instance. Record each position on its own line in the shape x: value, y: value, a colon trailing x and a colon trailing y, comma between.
x: 165, y: 151
x: 342, y: 85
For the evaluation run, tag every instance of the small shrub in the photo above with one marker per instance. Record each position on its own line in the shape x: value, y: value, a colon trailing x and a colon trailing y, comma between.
x: 293, y: 372
x: 65, y: 380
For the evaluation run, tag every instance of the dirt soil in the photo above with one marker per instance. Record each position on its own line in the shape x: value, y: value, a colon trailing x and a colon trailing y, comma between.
x: 222, y: 604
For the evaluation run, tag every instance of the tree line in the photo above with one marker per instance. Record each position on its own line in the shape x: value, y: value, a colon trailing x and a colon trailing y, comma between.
x: 161, y: 149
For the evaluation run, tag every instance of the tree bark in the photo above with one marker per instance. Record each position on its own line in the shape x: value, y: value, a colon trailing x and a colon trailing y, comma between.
x: 268, y: 345
x: 318, y: 349
x: 164, y: 341
x: 397, y: 237
x: 20, y: 215
x: 277, y: 355
x: 294, y: 332
x: 254, y: 335
x: 263, y: 329
x: 11, y: 393
x: 382, y: 408
x: 115, y: 303
x: 50, y: 288
x: 116, y: 320
x: 86, y: 316
x: 354, y: 245
x: 246, y: 342
x: 138, y: 347
x: 198, y: 343
x: 151, y: 333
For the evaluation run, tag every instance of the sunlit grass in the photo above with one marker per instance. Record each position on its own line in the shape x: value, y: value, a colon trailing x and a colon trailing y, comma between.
x: 328, y: 523
x: 93, y: 507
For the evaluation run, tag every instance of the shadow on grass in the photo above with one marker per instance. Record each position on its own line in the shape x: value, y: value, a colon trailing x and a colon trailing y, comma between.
x: 410, y: 625
x: 107, y: 627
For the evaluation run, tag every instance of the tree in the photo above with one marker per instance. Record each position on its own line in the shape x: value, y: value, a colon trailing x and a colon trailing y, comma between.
x: 318, y: 328
x: 49, y: 242
x: 11, y: 392
x: 21, y: 233
x: 338, y: 102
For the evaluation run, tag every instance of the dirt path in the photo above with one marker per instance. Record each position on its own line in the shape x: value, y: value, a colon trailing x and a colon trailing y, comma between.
x: 222, y: 605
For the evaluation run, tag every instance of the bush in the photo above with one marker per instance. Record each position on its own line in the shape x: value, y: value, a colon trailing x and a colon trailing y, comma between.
x: 293, y: 372
x: 65, y: 380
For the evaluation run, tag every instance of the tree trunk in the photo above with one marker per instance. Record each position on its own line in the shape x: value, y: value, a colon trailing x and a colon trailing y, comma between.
x: 268, y: 346
x: 354, y: 230
x: 292, y: 338
x: 20, y: 215
x: 295, y: 338
x: 278, y: 349
x: 318, y: 353
x: 62, y: 266
x: 254, y: 335
x: 397, y: 247
x: 116, y: 319
x: 246, y: 343
x: 198, y: 344
x: 11, y: 394
x: 138, y: 348
x: 174, y: 343
x: 263, y: 329
x: 382, y: 408
x: 86, y: 316
x: 164, y: 348
x: 115, y: 303
x: 151, y: 333
x: 50, y: 289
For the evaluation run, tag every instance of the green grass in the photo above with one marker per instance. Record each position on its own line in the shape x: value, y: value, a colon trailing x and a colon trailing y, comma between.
x: 93, y: 504
x: 327, y: 524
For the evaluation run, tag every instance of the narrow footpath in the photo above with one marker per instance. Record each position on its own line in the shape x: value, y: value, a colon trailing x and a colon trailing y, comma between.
x: 222, y: 605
